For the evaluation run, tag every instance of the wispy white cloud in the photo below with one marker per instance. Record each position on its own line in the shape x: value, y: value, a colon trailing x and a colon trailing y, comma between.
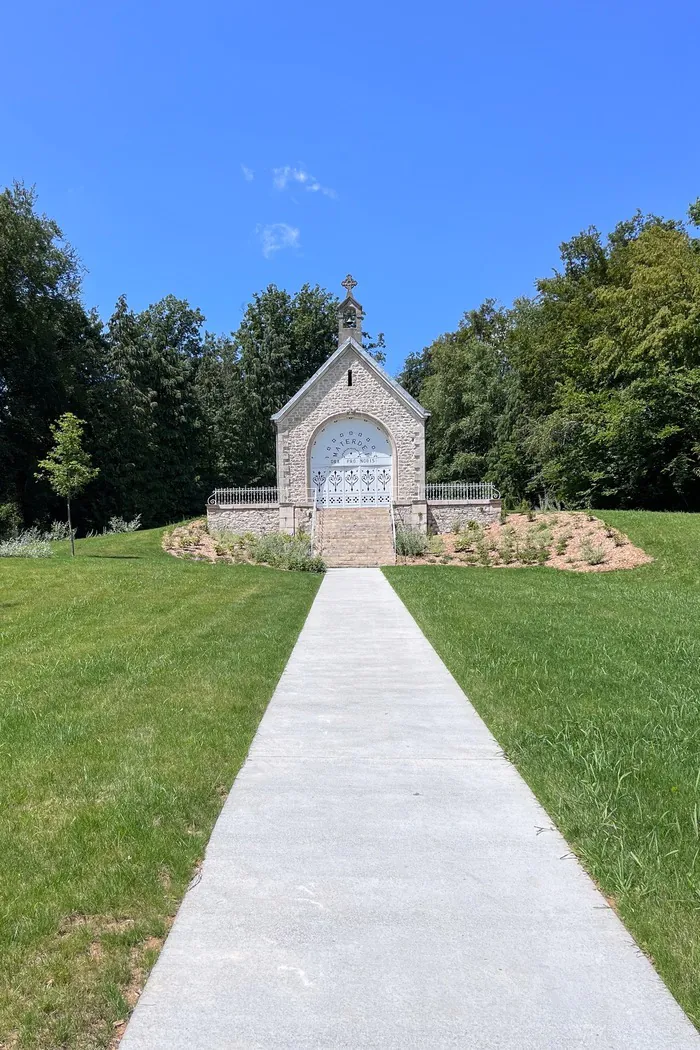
x: 275, y: 236
x: 281, y: 177
x: 248, y: 173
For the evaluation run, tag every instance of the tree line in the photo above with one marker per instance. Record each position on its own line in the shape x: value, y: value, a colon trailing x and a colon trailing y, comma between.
x: 170, y: 409
x: 587, y: 392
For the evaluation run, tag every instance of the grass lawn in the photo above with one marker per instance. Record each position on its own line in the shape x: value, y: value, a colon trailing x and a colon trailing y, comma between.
x: 591, y: 683
x: 131, y: 685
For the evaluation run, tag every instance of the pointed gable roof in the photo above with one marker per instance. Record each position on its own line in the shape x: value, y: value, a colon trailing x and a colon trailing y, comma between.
x: 351, y: 344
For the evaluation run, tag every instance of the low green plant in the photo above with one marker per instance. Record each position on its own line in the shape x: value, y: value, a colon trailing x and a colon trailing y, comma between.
x: 229, y: 544
x: 410, y: 542
x: 546, y: 502
x: 282, y: 551
x: 527, y: 552
x: 506, y: 548
x: 464, y: 542
x: 31, y: 543
x: 562, y: 543
x: 618, y: 539
x: 118, y: 524
x: 57, y: 530
x: 503, y: 516
x: 436, y: 545
x: 456, y: 526
x: 591, y: 553
x: 483, y: 552
x: 472, y: 535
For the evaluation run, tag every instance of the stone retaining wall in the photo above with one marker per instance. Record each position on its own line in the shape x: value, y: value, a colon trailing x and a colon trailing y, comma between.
x: 259, y: 518
x: 434, y: 516
x: 443, y: 514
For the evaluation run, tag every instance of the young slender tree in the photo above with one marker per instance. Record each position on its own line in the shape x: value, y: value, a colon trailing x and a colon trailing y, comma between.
x: 68, y: 467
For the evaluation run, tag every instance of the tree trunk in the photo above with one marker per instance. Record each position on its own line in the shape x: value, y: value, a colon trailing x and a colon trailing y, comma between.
x: 70, y: 529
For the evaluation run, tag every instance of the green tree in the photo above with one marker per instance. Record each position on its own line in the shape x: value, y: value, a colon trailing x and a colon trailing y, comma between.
x: 588, y: 391
x: 154, y: 437
x: 68, y: 467
x: 281, y: 341
x: 609, y: 362
x: 50, y: 348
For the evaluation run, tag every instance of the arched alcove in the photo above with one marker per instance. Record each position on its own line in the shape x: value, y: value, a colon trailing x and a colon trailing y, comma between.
x: 351, y: 463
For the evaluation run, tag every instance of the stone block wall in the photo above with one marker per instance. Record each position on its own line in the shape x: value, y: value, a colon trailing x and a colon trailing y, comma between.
x: 412, y: 515
x: 331, y: 397
x: 259, y: 518
x: 442, y: 514
x: 295, y: 518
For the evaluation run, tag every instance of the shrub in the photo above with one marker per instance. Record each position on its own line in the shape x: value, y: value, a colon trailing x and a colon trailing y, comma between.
x: 528, y: 551
x: 410, y: 542
x: 229, y: 544
x: 464, y: 542
x: 456, y: 526
x: 592, y: 554
x: 618, y: 539
x: 28, y: 544
x: 58, y: 530
x: 506, y: 550
x: 283, y: 552
x: 547, y: 502
x: 542, y: 553
x: 562, y: 543
x: 10, y: 520
x: 483, y: 553
x: 118, y: 524
x: 436, y: 545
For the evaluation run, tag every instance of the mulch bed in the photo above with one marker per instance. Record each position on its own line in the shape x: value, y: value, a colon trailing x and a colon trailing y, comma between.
x: 572, y: 540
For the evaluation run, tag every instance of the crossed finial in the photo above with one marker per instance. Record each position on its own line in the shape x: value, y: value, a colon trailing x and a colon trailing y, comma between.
x: 349, y: 283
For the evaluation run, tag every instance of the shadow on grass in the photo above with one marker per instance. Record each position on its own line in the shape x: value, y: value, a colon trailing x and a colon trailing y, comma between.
x: 117, y: 557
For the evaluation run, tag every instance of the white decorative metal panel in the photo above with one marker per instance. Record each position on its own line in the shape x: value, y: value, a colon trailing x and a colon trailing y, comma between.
x: 351, y: 464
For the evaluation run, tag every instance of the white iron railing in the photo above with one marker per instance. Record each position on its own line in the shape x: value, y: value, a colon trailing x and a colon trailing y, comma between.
x: 461, y: 490
x: 393, y: 526
x: 244, y: 496
x: 313, y: 523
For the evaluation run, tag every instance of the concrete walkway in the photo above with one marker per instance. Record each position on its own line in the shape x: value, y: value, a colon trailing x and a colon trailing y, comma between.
x: 380, y: 876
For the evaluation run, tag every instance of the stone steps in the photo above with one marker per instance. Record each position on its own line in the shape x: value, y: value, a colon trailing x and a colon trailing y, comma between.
x: 354, y: 538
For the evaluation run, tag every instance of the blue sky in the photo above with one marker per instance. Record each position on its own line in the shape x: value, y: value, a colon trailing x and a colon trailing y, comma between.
x: 440, y: 152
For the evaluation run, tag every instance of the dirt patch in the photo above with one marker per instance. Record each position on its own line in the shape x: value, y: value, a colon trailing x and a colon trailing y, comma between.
x: 573, y: 540
x: 98, y: 924
x: 141, y: 959
x: 192, y: 541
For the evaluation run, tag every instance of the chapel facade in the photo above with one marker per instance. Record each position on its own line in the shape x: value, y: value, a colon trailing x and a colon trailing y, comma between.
x: 350, y: 462
x: 352, y: 437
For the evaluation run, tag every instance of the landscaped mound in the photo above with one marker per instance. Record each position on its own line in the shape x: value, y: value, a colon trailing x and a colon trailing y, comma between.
x: 573, y: 540
x: 277, y: 549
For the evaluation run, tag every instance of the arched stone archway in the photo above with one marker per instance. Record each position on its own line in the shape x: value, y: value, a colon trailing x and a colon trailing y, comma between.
x: 352, y: 463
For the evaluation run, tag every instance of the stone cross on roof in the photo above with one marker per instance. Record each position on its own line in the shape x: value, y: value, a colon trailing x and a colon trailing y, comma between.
x: 349, y: 283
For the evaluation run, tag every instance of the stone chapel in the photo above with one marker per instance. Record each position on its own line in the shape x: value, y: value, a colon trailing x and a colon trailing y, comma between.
x: 350, y: 462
